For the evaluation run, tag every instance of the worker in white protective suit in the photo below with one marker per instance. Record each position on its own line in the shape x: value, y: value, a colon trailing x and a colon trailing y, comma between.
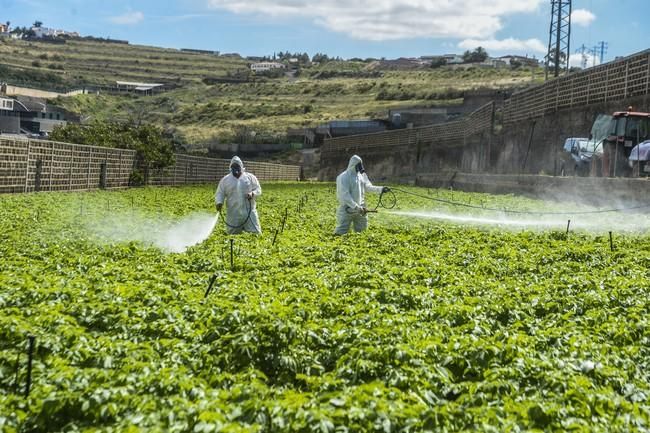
x: 239, y: 189
x: 351, y: 187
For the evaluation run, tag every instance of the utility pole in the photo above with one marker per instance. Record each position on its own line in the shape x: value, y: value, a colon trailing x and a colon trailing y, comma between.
x: 583, y: 51
x: 559, y: 40
x: 600, y: 50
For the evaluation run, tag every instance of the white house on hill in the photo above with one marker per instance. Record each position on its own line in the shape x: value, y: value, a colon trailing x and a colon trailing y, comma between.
x: 266, y: 66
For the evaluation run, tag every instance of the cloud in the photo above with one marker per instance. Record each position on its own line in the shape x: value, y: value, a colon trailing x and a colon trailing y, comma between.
x: 582, y: 17
x: 510, y: 44
x: 380, y: 20
x: 127, y: 19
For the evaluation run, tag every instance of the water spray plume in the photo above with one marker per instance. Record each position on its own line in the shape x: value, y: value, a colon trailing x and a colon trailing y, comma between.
x: 188, y: 232
x: 168, y: 235
x: 598, y: 223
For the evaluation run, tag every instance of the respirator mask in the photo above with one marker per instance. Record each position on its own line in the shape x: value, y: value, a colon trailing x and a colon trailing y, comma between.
x: 360, y: 168
x: 235, y: 170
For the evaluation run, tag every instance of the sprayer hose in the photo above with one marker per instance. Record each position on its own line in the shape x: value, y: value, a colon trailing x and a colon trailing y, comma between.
x: 248, y: 217
x: 519, y: 212
x: 381, y: 203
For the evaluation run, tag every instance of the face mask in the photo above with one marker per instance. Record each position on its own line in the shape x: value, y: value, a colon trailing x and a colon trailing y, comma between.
x: 235, y: 170
x: 360, y: 168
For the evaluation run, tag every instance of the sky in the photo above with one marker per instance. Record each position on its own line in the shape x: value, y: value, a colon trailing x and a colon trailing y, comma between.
x: 344, y: 28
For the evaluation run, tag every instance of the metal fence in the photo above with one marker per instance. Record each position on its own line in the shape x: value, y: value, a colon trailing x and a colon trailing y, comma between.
x: 36, y: 165
x: 619, y: 80
x: 445, y: 134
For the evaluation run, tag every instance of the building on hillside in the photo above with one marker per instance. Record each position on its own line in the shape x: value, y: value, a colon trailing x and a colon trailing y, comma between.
x: 31, y: 116
x: 141, y: 88
x: 513, y: 61
x: 5, y: 28
x: 46, y: 32
x: 9, y: 119
x: 341, y: 128
x: 495, y: 63
x: 37, y: 117
x: 453, y: 59
x: 408, y: 117
x: 266, y: 66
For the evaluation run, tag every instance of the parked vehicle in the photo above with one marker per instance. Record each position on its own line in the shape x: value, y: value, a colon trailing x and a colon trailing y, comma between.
x: 579, y: 155
x: 627, y: 129
x: 640, y: 159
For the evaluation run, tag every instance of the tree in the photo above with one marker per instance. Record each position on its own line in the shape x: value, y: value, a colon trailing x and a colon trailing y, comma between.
x: 479, y: 55
x: 320, y: 58
x: 438, y: 62
x: 149, y: 141
x: 551, y: 59
x: 37, y: 24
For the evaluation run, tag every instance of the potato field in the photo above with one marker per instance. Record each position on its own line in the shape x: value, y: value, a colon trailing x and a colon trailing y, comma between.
x: 419, y: 324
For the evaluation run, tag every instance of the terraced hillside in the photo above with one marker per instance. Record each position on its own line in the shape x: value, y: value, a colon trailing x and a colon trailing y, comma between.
x: 91, y: 62
x: 198, y: 113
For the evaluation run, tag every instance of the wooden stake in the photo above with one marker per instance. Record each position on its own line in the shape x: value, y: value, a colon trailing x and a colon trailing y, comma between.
x: 17, y: 369
x: 30, y: 358
x: 232, y: 258
x: 611, y: 241
x: 212, y: 280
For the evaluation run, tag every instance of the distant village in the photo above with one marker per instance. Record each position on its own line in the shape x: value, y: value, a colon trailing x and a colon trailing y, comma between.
x: 477, y: 58
x: 36, y: 31
x: 287, y: 61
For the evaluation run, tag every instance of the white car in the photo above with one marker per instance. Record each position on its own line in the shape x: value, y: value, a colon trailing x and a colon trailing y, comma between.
x: 640, y: 155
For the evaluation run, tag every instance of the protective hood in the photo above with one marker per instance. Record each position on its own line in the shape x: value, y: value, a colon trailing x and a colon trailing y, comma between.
x: 236, y: 160
x: 353, y: 163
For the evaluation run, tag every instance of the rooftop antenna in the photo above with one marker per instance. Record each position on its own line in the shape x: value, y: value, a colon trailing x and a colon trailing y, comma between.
x: 559, y: 40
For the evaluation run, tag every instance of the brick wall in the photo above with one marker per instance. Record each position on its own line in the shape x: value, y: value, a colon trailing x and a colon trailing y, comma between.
x: 36, y: 165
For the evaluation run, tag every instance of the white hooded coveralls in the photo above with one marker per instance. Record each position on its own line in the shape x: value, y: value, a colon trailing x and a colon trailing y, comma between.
x: 233, y: 191
x: 351, y: 188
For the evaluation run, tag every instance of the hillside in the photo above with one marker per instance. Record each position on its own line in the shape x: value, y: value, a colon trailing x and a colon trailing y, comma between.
x: 198, y: 113
x: 81, y: 62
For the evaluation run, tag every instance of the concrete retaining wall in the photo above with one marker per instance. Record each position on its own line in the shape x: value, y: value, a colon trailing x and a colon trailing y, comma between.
x: 517, y: 153
x: 535, y: 122
x: 460, y: 145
